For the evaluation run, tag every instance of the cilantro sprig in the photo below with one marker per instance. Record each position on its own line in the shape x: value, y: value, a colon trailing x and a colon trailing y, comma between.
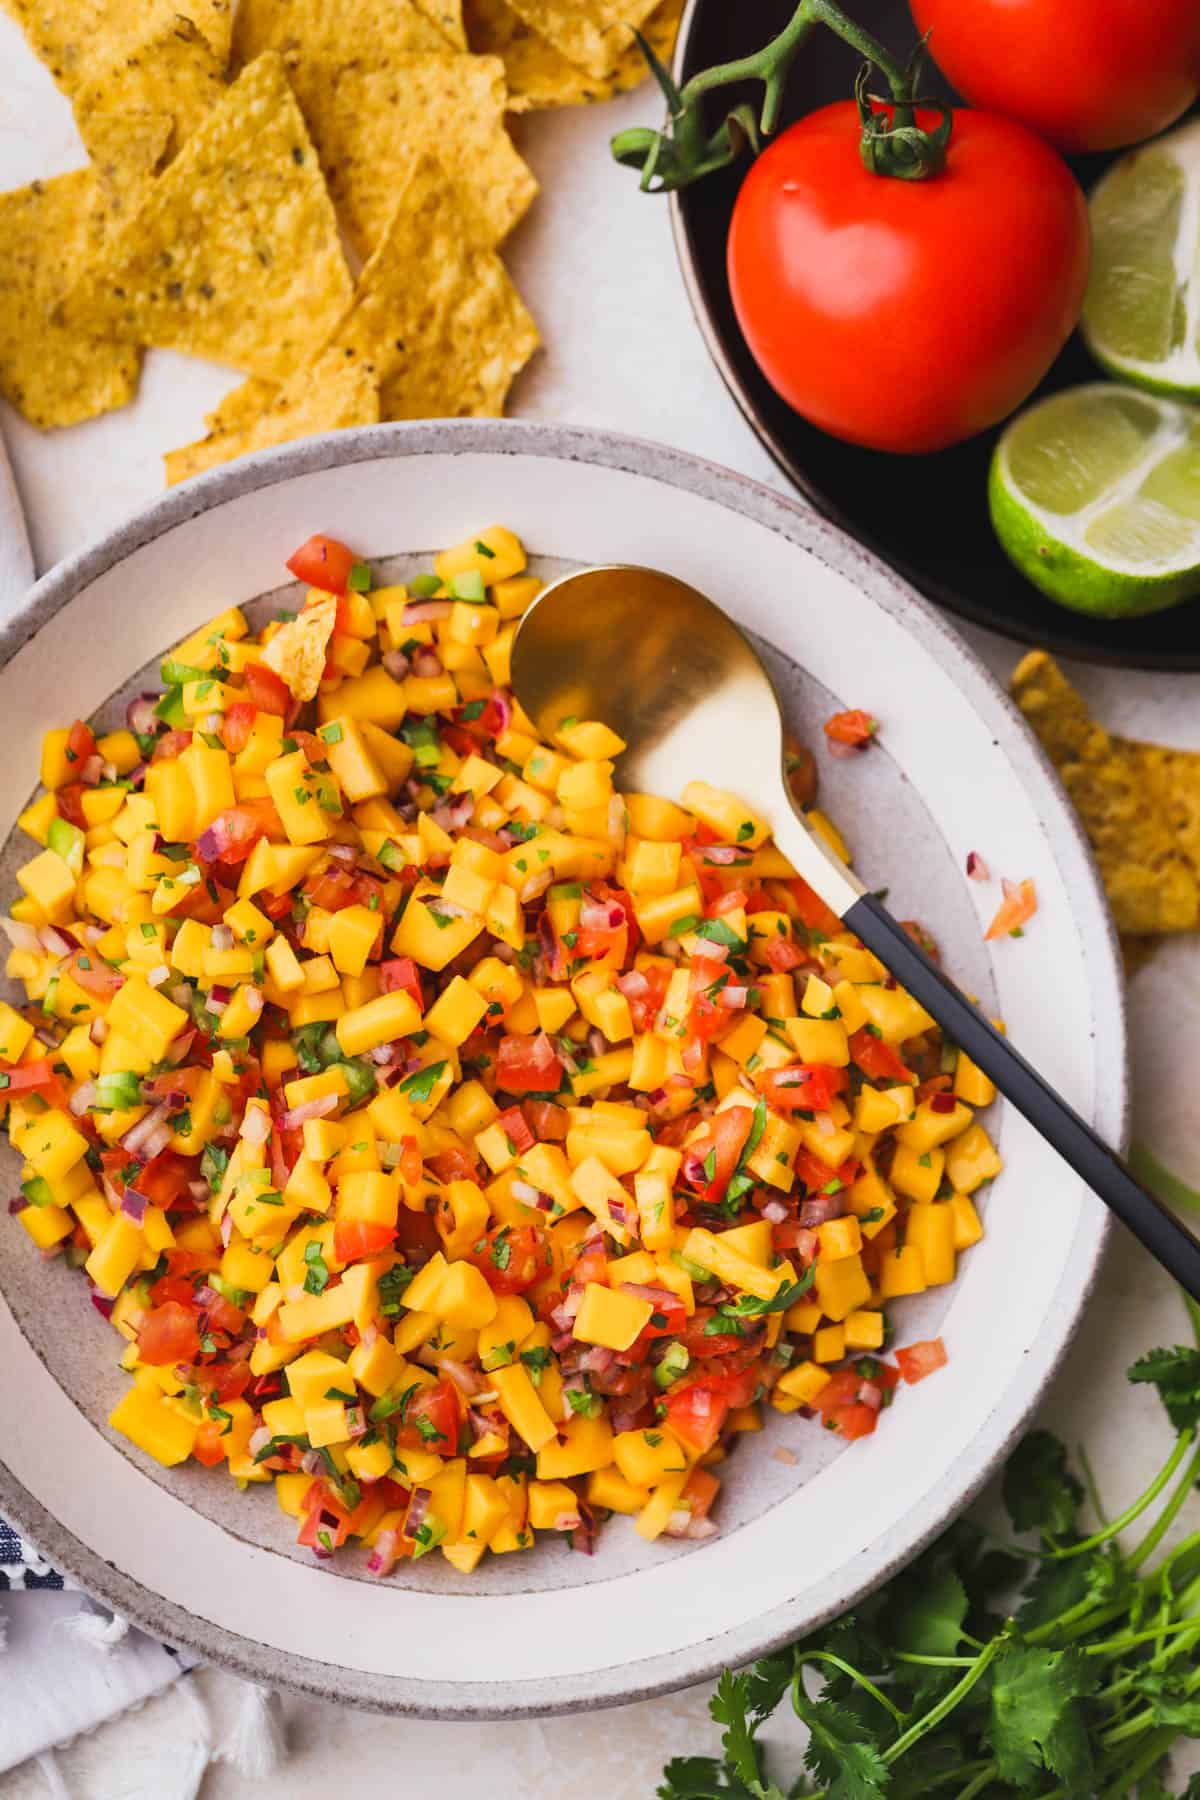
x: 1075, y: 1689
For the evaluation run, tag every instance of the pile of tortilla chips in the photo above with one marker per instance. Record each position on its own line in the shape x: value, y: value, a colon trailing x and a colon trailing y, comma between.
x: 1139, y: 803
x: 311, y: 191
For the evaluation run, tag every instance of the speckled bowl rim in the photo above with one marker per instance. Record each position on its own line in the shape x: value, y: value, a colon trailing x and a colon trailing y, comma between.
x: 1111, y: 1106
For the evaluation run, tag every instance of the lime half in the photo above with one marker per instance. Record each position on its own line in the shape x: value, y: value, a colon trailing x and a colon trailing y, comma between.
x: 1141, y: 317
x: 1095, y: 495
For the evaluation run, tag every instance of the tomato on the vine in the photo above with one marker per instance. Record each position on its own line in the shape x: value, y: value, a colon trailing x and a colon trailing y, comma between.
x: 907, y: 315
x: 1087, y: 74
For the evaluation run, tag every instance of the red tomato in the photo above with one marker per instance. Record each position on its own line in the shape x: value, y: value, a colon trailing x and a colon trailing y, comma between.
x: 430, y: 1420
x: 416, y: 1231
x: 856, y: 728
x: 170, y: 745
x: 35, y: 1078
x: 697, y: 1412
x: 817, y: 1175
x: 164, y: 1181
x: 335, y: 889
x: 645, y: 1005
x: 706, y: 978
x: 234, y: 833
x: 168, y: 1335
x: 322, y: 562
x: 700, y: 1492
x: 700, y: 1343
x: 96, y: 976
x: 811, y: 910
x: 172, y: 1287
x: 919, y: 1360
x: 326, y: 1523
x: 452, y: 1164
x: 802, y: 1087
x: 69, y: 801
x: 549, y: 1123
x: 528, y: 1065
x: 398, y: 974
x: 1087, y: 74
x: 266, y: 691
x: 356, y: 1238
x: 81, y: 743
x: 209, y: 1447
x: 726, y: 1139
x: 238, y: 724
x: 783, y: 955
x: 513, y: 1124
x: 854, y: 1421
x: 514, y: 1258
x: 879, y: 1061
x: 904, y: 315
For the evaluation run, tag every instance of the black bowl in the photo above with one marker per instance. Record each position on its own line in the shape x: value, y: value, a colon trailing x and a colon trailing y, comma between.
x: 926, y: 515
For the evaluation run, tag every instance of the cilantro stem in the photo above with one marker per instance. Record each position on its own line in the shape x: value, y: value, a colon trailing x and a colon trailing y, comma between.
x: 1168, y: 1514
x: 827, y: 1656
x: 935, y: 1662
x: 984, y: 1779
x: 1134, y: 1509
x: 1156, y: 1747
x: 948, y: 1702
x: 1112, y: 1646
x: 1090, y: 1483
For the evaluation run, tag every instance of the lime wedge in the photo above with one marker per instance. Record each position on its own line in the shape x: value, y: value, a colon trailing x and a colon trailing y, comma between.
x: 1141, y: 317
x: 1095, y: 495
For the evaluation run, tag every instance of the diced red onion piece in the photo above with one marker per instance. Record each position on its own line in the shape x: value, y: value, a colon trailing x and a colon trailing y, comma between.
x: 732, y: 998
x: 721, y: 856
x: 423, y: 612
x: 382, y: 1559
x: 133, y: 1205
x: 396, y: 664
x: 158, y: 975
x: 102, y: 1304
x: 82, y: 1098
x: 426, y: 664
x: 54, y: 941
x: 98, y: 1030
x: 20, y: 935
x: 226, y: 1230
x: 977, y: 869
x: 819, y: 1211
x: 91, y: 771
x: 633, y: 984
x: 312, y: 1462
x: 525, y: 1192
x: 869, y: 1395
x: 139, y: 1136
x: 140, y: 715
x: 942, y: 1103
x: 222, y: 937
x: 17, y: 1205
x: 775, y: 1211
x: 418, y: 1506
x: 256, y: 1126
x: 259, y: 1439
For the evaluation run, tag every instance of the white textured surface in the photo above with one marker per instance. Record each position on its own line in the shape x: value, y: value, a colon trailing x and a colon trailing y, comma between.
x: 595, y: 263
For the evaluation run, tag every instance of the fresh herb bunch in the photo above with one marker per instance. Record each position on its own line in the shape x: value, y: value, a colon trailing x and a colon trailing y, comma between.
x: 1080, y: 1687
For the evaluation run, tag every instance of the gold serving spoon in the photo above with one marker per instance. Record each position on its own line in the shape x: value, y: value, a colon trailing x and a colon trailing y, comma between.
x: 665, y: 668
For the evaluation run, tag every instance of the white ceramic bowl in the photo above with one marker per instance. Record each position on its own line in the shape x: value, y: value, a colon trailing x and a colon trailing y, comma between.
x: 192, y: 1559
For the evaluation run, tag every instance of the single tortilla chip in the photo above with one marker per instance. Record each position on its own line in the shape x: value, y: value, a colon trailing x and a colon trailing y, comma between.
x: 329, y: 394
x: 539, y: 76
x: 234, y: 254
x: 169, y: 69
x: 55, y: 374
x: 1139, y: 803
x: 592, y: 34
x: 127, y: 152
x: 242, y: 404
x: 76, y: 38
x: 298, y: 649
x: 435, y: 316
x: 313, y: 35
x: 368, y: 122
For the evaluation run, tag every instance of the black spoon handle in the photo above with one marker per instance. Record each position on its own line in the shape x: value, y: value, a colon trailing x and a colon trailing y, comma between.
x: 1157, y: 1228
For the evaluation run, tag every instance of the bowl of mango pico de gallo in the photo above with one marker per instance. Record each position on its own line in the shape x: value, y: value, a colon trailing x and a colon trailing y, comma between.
x: 447, y: 1162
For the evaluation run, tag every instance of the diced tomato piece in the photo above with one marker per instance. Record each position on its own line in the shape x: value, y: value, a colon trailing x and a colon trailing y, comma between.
x: 547, y: 1121
x: 706, y: 978
x: 513, y: 1124
x: 221, y: 1314
x: 168, y: 1334
x: 728, y: 900
x: 916, y: 1361
x: 699, y: 1342
x: 1016, y: 909
x: 925, y: 940
x: 514, y: 1258
x: 96, y: 977
x: 69, y: 801
x: 698, y: 1495
x: 209, y: 1446
x: 416, y: 1231
x: 645, y: 1005
x: 266, y: 690
x: 229, y: 1381
x: 34, y: 1078
x: 802, y: 1087
x: 81, y: 743
x: 172, y: 1287
x: 726, y: 1139
x: 170, y: 745
x: 410, y: 1164
x: 355, y: 1238
x: 810, y: 907
x: 877, y: 1060
x: 164, y: 1181
x: 453, y: 1164
x: 399, y: 974
x: 758, y: 900
x: 234, y: 833
x: 790, y: 1235
x: 697, y: 1412
x: 840, y: 1390
x: 430, y: 1420
x: 237, y: 725
x: 817, y: 1175
x: 322, y: 562
x: 337, y: 888
x: 528, y: 1065
x: 856, y: 728
x: 853, y: 1421
x: 783, y: 955
x: 326, y: 1523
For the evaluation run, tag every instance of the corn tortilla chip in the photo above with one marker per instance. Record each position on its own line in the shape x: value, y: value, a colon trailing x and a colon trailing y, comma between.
x: 169, y: 69
x: 447, y: 340
x: 539, y: 76
x: 593, y: 34
x: 447, y: 15
x: 235, y: 253
x: 315, y: 37
x: 297, y: 651
x: 327, y: 395
x: 371, y: 120
x: 74, y: 38
x: 54, y: 374
x: 242, y: 404
x: 1139, y: 803
x: 127, y: 151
